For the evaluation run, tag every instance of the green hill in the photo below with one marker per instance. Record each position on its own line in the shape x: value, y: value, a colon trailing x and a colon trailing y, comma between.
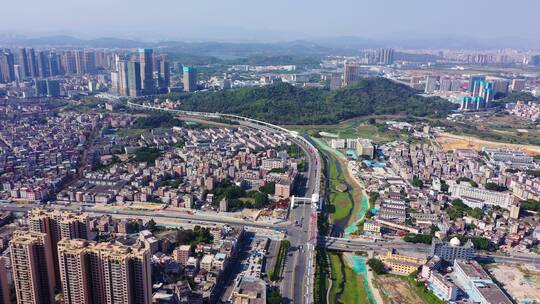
x: 283, y: 103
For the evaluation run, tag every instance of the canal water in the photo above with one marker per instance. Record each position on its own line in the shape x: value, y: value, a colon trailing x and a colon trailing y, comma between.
x: 354, y: 227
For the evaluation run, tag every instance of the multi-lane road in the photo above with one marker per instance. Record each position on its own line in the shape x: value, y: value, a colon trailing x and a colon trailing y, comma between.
x: 172, y: 217
x: 297, y: 283
x: 423, y: 250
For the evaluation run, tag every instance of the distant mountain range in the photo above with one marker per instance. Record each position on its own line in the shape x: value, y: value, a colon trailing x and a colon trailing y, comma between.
x: 201, y: 48
x: 346, y: 45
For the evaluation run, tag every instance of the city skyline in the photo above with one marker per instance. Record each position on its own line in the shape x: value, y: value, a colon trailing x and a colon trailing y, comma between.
x: 241, y: 20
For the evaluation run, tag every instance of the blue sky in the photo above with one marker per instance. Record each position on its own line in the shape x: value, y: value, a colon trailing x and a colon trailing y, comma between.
x: 272, y: 20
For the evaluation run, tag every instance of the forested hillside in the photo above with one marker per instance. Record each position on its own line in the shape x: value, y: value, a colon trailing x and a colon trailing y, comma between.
x: 283, y: 103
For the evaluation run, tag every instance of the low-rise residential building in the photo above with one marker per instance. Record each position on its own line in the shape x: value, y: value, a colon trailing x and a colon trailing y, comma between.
x: 478, y: 284
x: 443, y: 287
x: 401, y: 264
x: 453, y: 250
x: 249, y: 290
x: 206, y: 262
x: 372, y: 227
x: 478, y: 198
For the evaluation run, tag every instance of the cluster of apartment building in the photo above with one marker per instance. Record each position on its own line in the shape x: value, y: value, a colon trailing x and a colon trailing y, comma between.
x: 40, y: 151
x: 208, y: 157
x: 522, y: 185
x: 471, y: 92
x: 206, y: 265
x: 426, y: 161
x: 56, y: 252
x: 465, y: 280
x: 402, y: 208
x: 450, y: 273
x: 109, y: 260
x: 529, y: 110
x: 360, y: 147
x: 509, y: 159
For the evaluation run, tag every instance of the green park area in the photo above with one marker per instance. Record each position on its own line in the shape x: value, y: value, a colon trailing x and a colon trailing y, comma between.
x: 347, y: 286
x: 345, y: 202
x: 364, y: 127
x: 341, y: 204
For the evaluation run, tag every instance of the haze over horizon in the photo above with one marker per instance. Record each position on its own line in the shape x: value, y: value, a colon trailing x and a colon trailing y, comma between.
x: 280, y: 20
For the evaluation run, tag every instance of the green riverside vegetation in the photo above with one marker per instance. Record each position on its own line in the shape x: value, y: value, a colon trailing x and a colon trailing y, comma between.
x: 376, y: 265
x: 275, y: 274
x: 283, y: 103
x: 347, y: 286
x: 322, y: 273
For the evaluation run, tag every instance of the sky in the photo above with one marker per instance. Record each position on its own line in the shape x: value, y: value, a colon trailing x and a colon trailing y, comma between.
x: 274, y: 20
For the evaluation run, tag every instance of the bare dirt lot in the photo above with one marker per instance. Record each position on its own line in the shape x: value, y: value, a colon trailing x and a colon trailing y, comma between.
x: 521, y: 283
x: 451, y: 141
x: 397, y: 291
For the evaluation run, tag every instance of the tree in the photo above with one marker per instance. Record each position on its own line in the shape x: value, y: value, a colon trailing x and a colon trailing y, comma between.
x: 151, y: 225
x: 466, y: 179
x: 477, y: 213
x: 157, y: 120
x: 268, y: 188
x: 274, y: 297
x: 444, y: 186
x: 454, y: 214
x: 418, y: 238
x: 495, y: 187
x: 194, y: 236
x: 531, y: 205
x: 433, y: 229
x: 261, y: 199
x: 226, y: 189
x: 457, y: 209
x: 282, y: 103
x: 480, y: 243
x: 458, y: 203
x: 373, y: 196
x: 515, y: 96
x: 146, y: 155
x: 376, y: 265
x: 416, y: 182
